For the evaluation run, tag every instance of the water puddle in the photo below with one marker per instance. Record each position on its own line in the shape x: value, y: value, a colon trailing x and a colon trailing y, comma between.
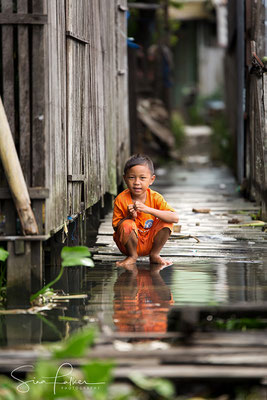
x: 135, y: 301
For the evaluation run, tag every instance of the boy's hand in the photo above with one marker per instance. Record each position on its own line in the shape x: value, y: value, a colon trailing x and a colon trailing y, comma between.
x: 132, y: 213
x: 141, y: 207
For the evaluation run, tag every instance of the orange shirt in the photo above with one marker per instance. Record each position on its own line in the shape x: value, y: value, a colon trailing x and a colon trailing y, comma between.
x: 143, y: 221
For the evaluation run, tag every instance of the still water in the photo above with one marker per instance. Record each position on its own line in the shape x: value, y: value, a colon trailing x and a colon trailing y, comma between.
x: 135, y: 301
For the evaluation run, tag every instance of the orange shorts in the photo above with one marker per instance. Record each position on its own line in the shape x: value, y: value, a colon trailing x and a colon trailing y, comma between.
x: 145, y: 238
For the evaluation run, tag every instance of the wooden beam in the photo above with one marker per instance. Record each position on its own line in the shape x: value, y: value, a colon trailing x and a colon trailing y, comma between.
x: 25, y: 238
x: 79, y: 38
x: 34, y: 192
x: 15, y: 178
x: 28, y: 19
x: 145, y: 6
x: 76, y: 178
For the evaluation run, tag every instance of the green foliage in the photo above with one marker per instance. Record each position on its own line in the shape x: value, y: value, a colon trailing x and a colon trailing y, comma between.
x: 197, y: 111
x: 3, y: 254
x: 222, y: 146
x: 77, y: 255
x: 241, y: 324
x: 76, y: 345
x: 3, y: 257
x: 71, y: 256
x: 178, y: 128
x: 7, y: 389
x: 162, y: 387
x: 174, y: 27
x: 99, y: 373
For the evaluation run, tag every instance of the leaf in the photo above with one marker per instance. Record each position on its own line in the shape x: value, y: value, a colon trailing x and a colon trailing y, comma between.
x: 74, y: 261
x: 3, y: 254
x: 253, y: 224
x: 77, y: 255
x: 71, y: 256
x: 98, y: 373
x: 62, y: 318
x: 163, y: 387
x: 75, y: 345
x: 44, y: 289
x: 79, y: 251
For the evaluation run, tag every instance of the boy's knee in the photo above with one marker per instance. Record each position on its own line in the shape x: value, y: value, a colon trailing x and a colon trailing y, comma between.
x: 127, y: 226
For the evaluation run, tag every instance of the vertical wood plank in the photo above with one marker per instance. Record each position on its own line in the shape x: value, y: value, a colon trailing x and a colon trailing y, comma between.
x: 16, y: 275
x: 24, y: 95
x: 36, y: 266
x: 38, y: 97
x: 8, y: 68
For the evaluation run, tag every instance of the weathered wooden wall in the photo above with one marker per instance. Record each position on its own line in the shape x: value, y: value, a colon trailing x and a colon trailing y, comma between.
x: 88, y: 103
x: 64, y: 85
x: 256, y: 102
x: 246, y: 94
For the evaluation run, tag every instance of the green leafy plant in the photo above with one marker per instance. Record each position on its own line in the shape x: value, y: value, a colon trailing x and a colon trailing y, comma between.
x: 237, y: 324
x: 178, y: 128
x: 3, y: 257
x: 71, y: 256
x: 161, y: 387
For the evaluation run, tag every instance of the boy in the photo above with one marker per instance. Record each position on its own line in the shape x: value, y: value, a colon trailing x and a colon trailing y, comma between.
x: 142, y: 219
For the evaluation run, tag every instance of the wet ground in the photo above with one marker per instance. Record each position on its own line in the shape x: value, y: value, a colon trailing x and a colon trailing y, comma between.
x: 223, y: 263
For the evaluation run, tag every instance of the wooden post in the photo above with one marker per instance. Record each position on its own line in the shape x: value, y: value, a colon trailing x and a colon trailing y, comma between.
x: 14, y: 176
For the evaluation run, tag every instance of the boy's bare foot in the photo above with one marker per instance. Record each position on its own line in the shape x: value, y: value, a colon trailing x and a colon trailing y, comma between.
x: 156, y: 259
x: 127, y: 262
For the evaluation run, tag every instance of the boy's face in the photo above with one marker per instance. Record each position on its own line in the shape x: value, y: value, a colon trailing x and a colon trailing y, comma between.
x: 138, y: 179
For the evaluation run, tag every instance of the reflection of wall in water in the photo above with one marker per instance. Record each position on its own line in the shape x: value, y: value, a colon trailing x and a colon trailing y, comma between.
x: 247, y: 282
x: 200, y: 283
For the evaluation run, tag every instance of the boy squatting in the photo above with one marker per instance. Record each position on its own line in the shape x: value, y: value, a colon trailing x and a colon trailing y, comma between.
x: 142, y: 219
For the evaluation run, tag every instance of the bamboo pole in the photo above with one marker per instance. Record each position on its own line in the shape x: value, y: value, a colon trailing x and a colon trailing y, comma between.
x: 14, y: 176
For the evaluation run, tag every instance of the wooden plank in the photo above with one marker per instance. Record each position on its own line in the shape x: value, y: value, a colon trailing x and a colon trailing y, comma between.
x: 24, y: 238
x: 34, y: 192
x: 77, y: 37
x: 8, y: 68
x: 24, y: 95
x: 38, y: 98
x: 145, y: 6
x: 36, y: 265
x: 16, y: 274
x: 194, y: 372
x: 76, y: 178
x: 22, y: 19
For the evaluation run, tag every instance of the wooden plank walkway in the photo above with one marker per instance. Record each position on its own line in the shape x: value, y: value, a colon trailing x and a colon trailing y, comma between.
x: 187, y: 351
x: 205, y: 188
x: 234, y: 356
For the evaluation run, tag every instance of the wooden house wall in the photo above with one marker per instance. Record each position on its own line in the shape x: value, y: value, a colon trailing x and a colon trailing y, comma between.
x: 88, y: 92
x: 64, y: 87
x: 246, y: 90
x: 256, y: 103
x: 22, y: 88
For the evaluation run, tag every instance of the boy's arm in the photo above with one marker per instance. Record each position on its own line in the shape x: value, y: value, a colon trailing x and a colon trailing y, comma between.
x: 119, y: 215
x: 164, y: 215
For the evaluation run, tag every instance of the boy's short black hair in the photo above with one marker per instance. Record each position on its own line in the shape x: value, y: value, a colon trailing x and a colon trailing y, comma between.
x: 139, y: 159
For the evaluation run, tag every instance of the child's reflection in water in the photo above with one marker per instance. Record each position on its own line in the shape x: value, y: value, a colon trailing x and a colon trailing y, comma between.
x: 141, y: 300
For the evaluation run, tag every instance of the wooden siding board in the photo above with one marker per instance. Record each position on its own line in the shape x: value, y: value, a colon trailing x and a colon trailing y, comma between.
x: 8, y: 67
x: 56, y: 173
x: 73, y: 105
x: 122, y: 87
x: 24, y: 95
x: 38, y: 98
x: 256, y: 127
